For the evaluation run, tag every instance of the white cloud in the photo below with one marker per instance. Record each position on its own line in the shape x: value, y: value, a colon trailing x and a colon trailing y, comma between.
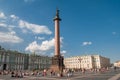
x: 2, y: 15
x: 8, y: 34
x: 47, y: 45
x: 13, y: 33
x: 61, y: 39
x: 9, y: 37
x: 14, y: 17
x: 44, y: 46
x: 63, y: 52
x: 14, y: 21
x: 39, y: 38
x: 86, y: 43
x: 33, y: 47
x: 3, y: 25
x: 38, y: 29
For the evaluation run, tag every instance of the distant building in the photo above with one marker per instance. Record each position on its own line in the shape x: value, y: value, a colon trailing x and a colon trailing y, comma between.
x: 117, y: 64
x: 87, y: 62
x: 39, y: 62
x: 17, y: 61
x: 13, y: 60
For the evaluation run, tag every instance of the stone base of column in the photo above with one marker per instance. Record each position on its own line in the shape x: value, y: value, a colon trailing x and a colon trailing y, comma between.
x: 57, y: 64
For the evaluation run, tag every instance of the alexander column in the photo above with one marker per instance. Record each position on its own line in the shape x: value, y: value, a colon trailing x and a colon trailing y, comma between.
x: 57, y: 34
x: 57, y: 59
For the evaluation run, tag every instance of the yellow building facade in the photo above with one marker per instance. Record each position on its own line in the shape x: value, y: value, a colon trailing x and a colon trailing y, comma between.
x: 87, y: 62
x: 117, y: 64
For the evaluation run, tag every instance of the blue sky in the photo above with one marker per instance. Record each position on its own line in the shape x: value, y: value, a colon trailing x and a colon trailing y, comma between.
x: 87, y: 26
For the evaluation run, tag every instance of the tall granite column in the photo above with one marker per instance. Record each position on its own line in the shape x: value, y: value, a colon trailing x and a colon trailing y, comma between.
x: 57, y: 59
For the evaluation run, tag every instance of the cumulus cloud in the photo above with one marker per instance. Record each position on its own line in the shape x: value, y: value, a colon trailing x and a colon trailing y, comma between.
x: 39, y: 38
x: 7, y: 34
x: 86, y: 43
x: 9, y: 37
x: 14, y: 16
x: 38, y: 29
x: 32, y: 47
x: 11, y: 26
x: 15, y: 22
x: 63, y: 52
x: 3, y: 25
x: 2, y: 15
x: 46, y: 45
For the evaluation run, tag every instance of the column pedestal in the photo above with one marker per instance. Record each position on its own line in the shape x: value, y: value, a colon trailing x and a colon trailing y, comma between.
x: 57, y: 64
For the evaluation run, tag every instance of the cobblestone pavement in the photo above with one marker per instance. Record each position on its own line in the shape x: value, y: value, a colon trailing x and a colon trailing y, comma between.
x: 77, y: 76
